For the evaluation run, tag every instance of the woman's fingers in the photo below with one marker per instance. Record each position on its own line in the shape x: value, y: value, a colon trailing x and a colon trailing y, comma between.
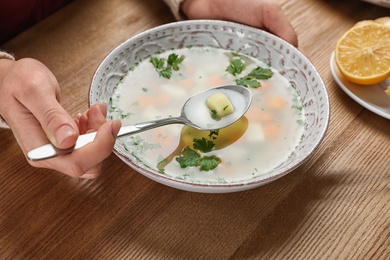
x: 33, y: 99
x: 85, y: 161
x: 263, y: 14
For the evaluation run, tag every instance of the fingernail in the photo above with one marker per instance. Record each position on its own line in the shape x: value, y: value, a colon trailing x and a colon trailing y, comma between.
x: 115, y: 127
x: 63, y: 133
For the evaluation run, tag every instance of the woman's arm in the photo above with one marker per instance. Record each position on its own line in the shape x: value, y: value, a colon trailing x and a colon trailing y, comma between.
x: 8, y: 56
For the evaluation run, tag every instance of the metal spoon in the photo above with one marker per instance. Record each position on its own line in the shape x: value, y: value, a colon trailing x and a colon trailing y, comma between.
x: 194, y: 113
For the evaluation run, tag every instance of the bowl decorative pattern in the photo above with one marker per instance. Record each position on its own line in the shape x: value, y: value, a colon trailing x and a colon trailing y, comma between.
x: 264, y: 46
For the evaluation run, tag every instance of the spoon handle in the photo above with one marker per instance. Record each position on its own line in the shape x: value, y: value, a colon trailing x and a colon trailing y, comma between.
x: 48, y: 150
x: 140, y: 127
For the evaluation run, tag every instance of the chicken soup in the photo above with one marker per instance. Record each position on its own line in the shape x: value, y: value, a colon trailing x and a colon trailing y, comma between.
x: 261, y: 140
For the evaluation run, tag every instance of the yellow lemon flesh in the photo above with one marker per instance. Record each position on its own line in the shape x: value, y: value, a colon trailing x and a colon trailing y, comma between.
x: 384, y: 20
x: 362, y: 54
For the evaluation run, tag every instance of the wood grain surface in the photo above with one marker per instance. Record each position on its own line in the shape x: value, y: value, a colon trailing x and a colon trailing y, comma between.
x: 335, y: 206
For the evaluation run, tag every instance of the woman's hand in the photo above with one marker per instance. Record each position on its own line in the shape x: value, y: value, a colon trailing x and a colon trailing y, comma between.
x: 264, y: 14
x: 29, y: 103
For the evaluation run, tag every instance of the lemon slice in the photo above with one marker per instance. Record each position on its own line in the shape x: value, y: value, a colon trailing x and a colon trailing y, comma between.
x: 384, y: 20
x: 362, y: 54
x: 364, y: 22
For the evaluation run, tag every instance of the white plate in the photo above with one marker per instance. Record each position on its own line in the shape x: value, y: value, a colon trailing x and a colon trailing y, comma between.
x: 372, y: 97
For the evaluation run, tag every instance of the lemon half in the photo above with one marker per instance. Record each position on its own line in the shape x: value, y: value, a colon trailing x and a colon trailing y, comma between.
x: 362, y: 54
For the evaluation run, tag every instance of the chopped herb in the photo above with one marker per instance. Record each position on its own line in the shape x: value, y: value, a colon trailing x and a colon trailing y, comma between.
x: 225, y: 107
x: 203, y: 145
x: 208, y: 163
x: 188, y: 158
x: 174, y: 60
x: 297, y: 107
x: 166, y: 73
x: 261, y: 73
x: 236, y: 67
x: 157, y: 63
x: 172, y: 63
x: 252, y: 79
x: 191, y: 158
x: 213, y: 134
x: 248, y: 82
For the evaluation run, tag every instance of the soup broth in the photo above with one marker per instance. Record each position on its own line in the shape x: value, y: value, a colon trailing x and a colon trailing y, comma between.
x: 260, y: 141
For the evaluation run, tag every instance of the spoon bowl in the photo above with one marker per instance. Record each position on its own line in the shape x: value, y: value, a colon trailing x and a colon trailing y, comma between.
x: 198, y: 115
x: 194, y: 113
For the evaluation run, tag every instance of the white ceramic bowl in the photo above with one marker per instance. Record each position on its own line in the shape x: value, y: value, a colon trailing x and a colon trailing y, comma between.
x: 282, y: 56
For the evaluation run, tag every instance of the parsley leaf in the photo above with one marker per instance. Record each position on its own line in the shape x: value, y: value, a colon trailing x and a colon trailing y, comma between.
x: 157, y: 63
x: 203, y: 145
x: 252, y: 79
x: 166, y: 73
x: 213, y: 134
x: 248, y: 82
x: 174, y: 60
x: 261, y: 73
x: 208, y: 163
x: 188, y: 158
x: 191, y: 157
x: 164, y: 67
x: 236, y: 67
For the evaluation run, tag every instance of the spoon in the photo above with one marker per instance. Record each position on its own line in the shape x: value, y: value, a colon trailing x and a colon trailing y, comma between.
x: 194, y: 113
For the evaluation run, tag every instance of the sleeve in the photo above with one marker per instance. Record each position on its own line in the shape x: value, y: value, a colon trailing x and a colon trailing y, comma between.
x: 5, y: 55
x: 3, y: 124
x: 174, y: 5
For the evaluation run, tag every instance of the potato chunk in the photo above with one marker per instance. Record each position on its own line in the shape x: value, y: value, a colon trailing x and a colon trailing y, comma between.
x: 219, y: 105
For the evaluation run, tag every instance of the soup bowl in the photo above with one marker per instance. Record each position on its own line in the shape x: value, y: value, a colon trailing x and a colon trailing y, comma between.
x: 284, y: 58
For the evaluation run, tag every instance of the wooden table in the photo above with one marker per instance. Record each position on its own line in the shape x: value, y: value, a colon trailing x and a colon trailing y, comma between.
x: 335, y: 206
